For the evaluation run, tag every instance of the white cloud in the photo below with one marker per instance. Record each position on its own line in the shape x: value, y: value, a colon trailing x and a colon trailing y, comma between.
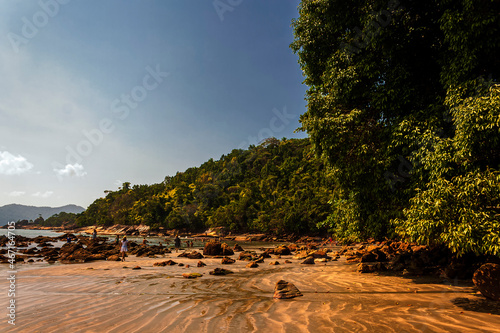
x: 71, y: 170
x: 45, y: 194
x: 13, y: 165
x: 16, y: 193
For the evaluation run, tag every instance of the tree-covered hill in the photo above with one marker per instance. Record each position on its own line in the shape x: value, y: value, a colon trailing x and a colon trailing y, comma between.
x: 276, y: 187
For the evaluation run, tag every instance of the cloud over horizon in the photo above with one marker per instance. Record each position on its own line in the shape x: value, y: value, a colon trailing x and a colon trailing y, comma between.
x: 13, y: 165
x: 71, y: 170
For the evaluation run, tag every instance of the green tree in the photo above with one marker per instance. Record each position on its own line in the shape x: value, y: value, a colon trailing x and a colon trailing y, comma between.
x: 380, y: 75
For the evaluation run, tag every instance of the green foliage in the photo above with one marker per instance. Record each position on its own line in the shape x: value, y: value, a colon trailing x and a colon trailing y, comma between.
x: 400, y: 108
x: 461, y: 204
x: 276, y: 187
x: 60, y: 219
x: 463, y: 213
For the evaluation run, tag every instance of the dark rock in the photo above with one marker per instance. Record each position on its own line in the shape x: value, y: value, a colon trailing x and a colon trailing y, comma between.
x: 288, y: 261
x: 67, y: 249
x: 226, y: 250
x: 265, y: 254
x: 487, y: 280
x: 282, y: 250
x: 252, y: 264
x: 180, y: 264
x: 165, y: 263
x: 191, y: 255
x: 368, y: 257
x: 220, y: 271
x: 200, y: 264
x: 247, y: 256
x: 366, y: 268
x: 308, y: 261
x: 212, y: 249
x: 320, y: 254
x: 137, y: 267
x: 285, y: 290
x: 274, y: 263
x: 237, y: 248
x: 227, y: 261
x: 75, y: 253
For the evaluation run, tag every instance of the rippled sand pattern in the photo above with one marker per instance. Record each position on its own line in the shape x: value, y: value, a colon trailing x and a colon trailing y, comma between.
x: 105, y: 297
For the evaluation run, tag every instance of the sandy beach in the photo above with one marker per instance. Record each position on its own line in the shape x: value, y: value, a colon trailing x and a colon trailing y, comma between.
x: 104, y: 296
x: 107, y: 296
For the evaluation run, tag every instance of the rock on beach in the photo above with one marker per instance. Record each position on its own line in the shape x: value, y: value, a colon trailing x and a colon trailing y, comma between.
x: 286, y: 290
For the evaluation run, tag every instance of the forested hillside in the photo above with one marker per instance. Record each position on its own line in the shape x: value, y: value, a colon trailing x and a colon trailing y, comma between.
x: 404, y: 109
x: 275, y: 187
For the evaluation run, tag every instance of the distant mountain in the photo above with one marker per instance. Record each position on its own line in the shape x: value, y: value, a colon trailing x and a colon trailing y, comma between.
x: 16, y: 212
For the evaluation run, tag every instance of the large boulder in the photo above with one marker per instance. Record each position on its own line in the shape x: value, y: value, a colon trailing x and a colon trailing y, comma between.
x: 212, y: 249
x: 487, y: 280
x: 285, y: 290
x: 226, y: 250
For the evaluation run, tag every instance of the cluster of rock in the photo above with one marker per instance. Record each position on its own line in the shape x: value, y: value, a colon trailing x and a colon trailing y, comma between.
x: 413, y: 260
x: 81, y: 249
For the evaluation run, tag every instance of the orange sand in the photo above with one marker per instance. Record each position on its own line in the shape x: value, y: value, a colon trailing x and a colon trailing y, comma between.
x: 107, y: 297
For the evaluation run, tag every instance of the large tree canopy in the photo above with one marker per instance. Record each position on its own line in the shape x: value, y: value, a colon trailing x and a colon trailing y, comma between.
x: 402, y: 105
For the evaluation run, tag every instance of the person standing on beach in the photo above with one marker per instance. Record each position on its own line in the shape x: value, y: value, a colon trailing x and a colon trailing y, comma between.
x: 177, y: 243
x: 124, y: 247
x: 94, y: 234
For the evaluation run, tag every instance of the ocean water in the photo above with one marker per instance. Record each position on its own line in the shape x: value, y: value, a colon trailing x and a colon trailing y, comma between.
x: 30, y: 233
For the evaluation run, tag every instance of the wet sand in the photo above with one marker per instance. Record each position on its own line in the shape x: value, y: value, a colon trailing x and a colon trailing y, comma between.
x: 106, y: 296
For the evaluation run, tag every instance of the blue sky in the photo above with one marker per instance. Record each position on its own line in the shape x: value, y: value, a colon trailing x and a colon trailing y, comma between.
x: 96, y: 93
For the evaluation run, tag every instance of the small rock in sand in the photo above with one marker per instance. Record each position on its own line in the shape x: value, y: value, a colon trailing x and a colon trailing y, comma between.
x: 285, y: 290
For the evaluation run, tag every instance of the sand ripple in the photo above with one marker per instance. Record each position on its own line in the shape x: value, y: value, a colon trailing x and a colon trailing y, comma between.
x: 110, y: 298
